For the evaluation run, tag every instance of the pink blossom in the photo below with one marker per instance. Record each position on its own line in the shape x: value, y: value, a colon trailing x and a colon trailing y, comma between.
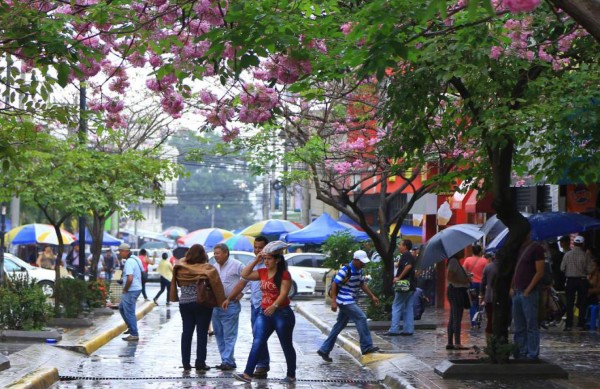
x: 114, y: 106
x: 119, y: 85
x: 173, y: 104
x: 114, y: 120
x: 95, y: 106
x: 346, y: 28
x: 153, y: 84
x: 516, y: 6
x: 543, y: 55
x: 198, y: 27
x: 342, y: 167
x: 137, y: 60
x: 230, y: 134
x: 64, y: 9
x: 207, y: 97
x: 318, y: 44
x: 155, y: 61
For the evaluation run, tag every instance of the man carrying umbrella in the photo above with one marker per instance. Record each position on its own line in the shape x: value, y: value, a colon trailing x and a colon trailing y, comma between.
x: 132, y: 288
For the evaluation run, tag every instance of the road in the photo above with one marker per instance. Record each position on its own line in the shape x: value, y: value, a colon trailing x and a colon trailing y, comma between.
x: 154, y: 362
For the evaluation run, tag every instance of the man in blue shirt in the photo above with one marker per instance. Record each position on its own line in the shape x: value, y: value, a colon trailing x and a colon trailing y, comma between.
x: 262, y: 367
x: 132, y: 287
x: 344, y: 291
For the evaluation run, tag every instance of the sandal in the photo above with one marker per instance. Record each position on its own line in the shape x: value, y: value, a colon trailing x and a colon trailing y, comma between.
x: 461, y: 347
x: 242, y: 377
x: 449, y: 347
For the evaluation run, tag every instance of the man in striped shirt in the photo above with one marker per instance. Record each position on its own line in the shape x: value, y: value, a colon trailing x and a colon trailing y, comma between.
x: 344, y: 291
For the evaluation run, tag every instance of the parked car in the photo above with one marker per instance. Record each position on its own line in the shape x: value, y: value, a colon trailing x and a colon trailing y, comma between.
x: 311, y: 263
x: 302, y: 281
x: 15, y: 267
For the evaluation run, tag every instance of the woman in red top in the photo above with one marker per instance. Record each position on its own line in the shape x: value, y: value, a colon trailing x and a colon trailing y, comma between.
x: 275, y: 283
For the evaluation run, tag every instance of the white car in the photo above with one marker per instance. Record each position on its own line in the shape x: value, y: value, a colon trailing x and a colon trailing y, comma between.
x: 15, y: 267
x: 302, y: 281
x: 311, y: 263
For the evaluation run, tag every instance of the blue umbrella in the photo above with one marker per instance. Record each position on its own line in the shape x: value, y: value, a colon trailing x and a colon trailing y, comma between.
x: 107, y: 239
x: 549, y: 225
x: 322, y: 228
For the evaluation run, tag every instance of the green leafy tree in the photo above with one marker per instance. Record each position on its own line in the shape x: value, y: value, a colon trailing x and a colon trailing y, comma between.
x: 216, y: 176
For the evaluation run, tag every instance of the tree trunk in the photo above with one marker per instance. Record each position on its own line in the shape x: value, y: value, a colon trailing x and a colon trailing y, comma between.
x: 57, y: 264
x: 584, y: 12
x: 96, y: 247
x: 506, y: 257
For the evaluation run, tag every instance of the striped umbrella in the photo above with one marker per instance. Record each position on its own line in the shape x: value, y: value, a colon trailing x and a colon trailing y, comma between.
x: 37, y: 233
x: 270, y: 227
x: 175, y: 232
x: 240, y: 243
x: 207, y: 237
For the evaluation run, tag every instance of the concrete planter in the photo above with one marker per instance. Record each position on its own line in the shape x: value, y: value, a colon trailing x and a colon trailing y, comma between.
x: 30, y: 336
x: 481, y: 369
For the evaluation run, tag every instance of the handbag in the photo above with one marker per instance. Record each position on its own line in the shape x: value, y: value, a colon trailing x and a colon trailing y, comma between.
x: 466, y: 298
x: 204, y: 294
x: 402, y: 286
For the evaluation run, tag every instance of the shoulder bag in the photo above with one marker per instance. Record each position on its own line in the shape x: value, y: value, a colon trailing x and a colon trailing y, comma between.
x: 204, y: 294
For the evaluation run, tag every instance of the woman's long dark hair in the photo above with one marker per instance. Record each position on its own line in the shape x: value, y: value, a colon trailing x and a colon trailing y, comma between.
x: 196, y: 254
x: 281, y: 267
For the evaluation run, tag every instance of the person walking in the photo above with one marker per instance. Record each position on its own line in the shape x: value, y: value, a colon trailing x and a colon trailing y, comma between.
x: 344, y: 291
x: 402, y: 307
x: 145, y: 262
x: 225, y: 321
x: 132, y: 287
x: 474, y: 266
x: 108, y: 265
x: 276, y: 314
x: 193, y: 315
x: 529, y: 270
x: 264, y: 360
x: 576, y: 265
x: 165, y: 269
x: 458, y: 284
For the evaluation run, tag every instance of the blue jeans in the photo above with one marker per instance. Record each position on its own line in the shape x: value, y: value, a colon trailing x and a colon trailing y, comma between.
x: 346, y: 313
x: 127, y: 310
x: 264, y: 359
x: 527, y: 332
x: 402, y: 307
x: 194, y: 316
x: 164, y: 285
x: 225, y: 326
x: 282, y: 322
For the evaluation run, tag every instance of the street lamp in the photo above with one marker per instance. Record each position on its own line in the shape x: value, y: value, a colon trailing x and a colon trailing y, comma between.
x: 212, y: 208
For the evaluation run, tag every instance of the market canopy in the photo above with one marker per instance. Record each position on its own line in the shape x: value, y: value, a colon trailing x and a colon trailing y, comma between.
x: 319, y: 230
x: 107, y: 239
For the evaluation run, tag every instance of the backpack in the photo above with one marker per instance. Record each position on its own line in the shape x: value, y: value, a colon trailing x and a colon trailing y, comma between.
x: 344, y: 281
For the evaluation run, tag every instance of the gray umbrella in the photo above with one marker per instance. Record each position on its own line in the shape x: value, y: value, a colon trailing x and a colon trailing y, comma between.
x: 493, y: 226
x: 447, y: 242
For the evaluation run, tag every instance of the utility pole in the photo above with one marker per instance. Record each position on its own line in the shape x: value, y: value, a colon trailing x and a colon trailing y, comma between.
x: 82, y: 140
x: 3, y: 205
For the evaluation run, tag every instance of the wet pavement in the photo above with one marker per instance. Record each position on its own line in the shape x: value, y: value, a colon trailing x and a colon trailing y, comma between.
x: 577, y: 352
x: 408, y: 362
x: 155, y: 362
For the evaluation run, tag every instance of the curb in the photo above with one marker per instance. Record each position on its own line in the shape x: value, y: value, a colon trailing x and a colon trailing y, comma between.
x: 39, y: 379
x: 88, y: 346
x: 383, y: 365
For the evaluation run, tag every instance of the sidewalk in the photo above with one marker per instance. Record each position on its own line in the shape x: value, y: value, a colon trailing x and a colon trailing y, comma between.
x: 29, y: 368
x: 409, y: 362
